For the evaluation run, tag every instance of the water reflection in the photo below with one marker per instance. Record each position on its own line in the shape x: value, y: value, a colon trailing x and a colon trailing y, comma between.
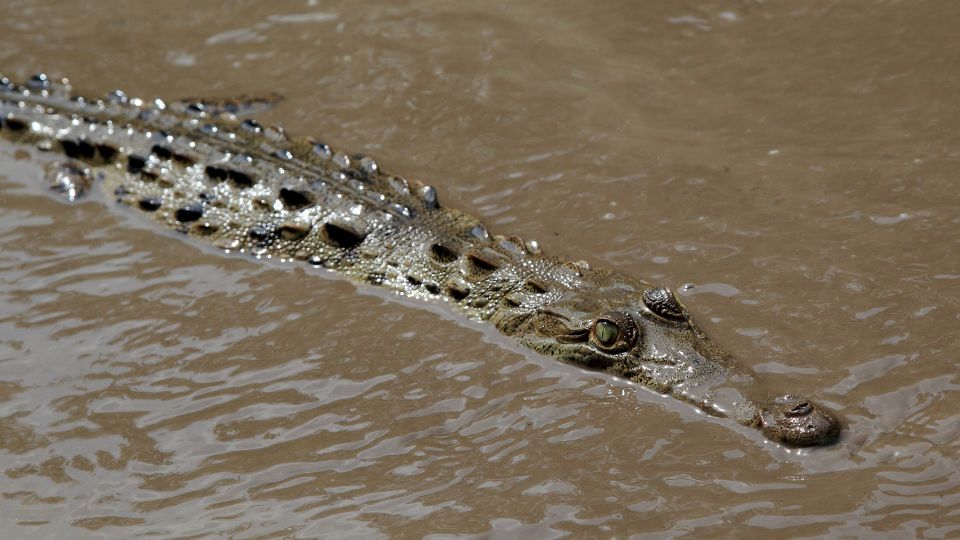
x: 789, y: 162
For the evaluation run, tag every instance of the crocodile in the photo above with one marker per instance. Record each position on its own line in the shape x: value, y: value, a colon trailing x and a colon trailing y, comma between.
x: 206, y: 169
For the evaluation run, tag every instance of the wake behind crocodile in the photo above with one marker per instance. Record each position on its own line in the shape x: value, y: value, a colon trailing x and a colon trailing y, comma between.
x: 200, y: 168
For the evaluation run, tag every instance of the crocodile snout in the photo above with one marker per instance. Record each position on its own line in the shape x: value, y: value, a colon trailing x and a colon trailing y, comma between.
x: 796, y: 421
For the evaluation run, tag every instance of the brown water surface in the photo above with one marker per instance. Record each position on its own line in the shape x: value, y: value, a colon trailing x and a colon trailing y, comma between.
x: 796, y: 163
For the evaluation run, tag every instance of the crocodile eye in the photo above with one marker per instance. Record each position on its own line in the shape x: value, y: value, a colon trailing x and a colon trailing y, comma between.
x: 614, y: 332
x: 606, y: 333
x: 663, y: 303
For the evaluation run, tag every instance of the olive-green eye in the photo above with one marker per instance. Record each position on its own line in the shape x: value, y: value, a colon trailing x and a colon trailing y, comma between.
x: 606, y: 333
x: 614, y: 332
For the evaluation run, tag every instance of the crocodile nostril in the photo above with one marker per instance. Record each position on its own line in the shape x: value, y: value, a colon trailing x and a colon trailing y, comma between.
x: 802, y: 408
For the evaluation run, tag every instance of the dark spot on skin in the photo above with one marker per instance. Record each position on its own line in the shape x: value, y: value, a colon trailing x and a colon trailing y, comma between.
x: 220, y: 174
x: 432, y: 288
x: 150, y: 204
x: 457, y: 292
x: 260, y: 233
x: 186, y: 160
x: 294, y: 198
x: 534, y: 287
x: 414, y: 281
x: 478, y: 266
x: 136, y: 163
x: 16, y: 124
x: 292, y: 230
x: 216, y: 173
x: 240, y: 178
x: 576, y: 268
x: 376, y: 278
x: 79, y: 149
x: 251, y: 125
x: 443, y: 254
x: 190, y: 212
x: 161, y: 152
x: 205, y: 227
x: 107, y: 152
x: 196, y: 108
x: 342, y: 236
x: 510, y: 301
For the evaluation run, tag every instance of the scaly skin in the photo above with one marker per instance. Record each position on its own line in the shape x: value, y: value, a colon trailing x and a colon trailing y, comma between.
x: 196, y: 168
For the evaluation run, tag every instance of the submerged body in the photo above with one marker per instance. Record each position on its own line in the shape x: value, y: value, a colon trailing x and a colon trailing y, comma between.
x: 196, y: 168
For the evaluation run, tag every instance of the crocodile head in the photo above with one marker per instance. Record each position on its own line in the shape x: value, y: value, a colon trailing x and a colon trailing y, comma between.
x: 643, y: 333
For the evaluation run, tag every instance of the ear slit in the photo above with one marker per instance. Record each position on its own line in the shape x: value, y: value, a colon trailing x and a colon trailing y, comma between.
x: 579, y: 335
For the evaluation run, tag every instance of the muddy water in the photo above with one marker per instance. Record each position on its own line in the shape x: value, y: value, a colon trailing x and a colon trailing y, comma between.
x: 795, y: 166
